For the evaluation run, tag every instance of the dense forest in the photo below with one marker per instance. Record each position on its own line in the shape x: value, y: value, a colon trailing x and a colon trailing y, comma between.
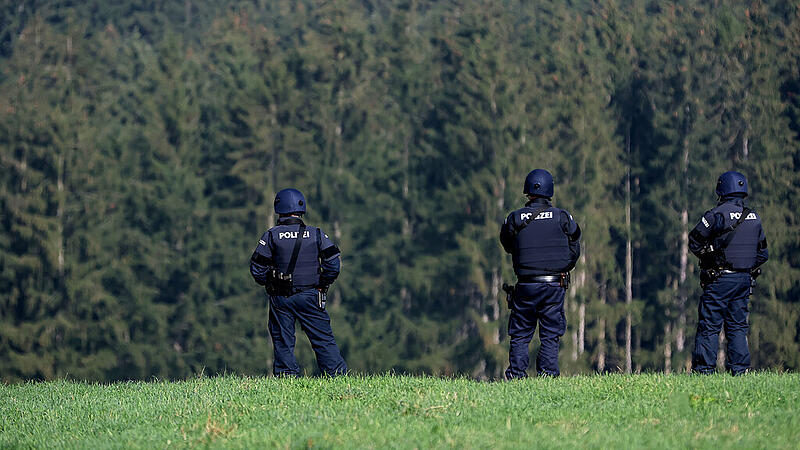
x: 143, y: 142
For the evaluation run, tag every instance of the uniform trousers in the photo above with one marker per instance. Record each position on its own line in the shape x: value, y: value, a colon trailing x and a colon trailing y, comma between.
x: 533, y: 303
x: 314, y: 321
x: 723, y: 304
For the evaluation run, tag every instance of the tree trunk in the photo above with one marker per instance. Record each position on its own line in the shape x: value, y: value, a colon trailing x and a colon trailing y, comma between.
x: 628, y: 260
x: 187, y: 12
x: 628, y: 301
x: 745, y: 149
x: 580, y: 336
x: 680, y: 333
x: 337, y: 298
x: 637, y: 347
x: 60, y: 218
x: 406, y: 169
x: 495, y: 294
x: 667, y: 348
x: 273, y: 165
x: 582, y: 328
x: 601, y: 338
x: 574, y: 345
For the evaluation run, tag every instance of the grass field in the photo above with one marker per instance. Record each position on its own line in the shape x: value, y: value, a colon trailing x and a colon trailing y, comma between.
x: 754, y: 411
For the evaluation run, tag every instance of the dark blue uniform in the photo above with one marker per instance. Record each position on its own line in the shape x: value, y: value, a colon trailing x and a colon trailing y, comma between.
x: 317, y: 267
x: 548, y: 245
x: 724, y: 300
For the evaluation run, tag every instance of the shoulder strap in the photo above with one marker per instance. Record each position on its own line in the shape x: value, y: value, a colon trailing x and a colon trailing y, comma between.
x: 296, y: 250
x: 745, y: 212
x: 533, y: 217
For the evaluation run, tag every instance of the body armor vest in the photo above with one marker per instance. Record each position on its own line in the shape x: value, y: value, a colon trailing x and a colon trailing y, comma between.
x: 740, y: 254
x: 542, y: 245
x: 306, y: 271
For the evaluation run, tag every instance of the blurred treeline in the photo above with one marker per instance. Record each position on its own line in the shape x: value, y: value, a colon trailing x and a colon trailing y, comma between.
x: 142, y: 144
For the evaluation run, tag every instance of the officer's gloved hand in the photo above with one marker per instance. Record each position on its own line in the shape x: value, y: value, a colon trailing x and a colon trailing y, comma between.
x: 509, y: 290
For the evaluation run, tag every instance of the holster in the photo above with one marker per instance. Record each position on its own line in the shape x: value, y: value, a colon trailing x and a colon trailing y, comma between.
x: 322, y: 298
x: 754, y: 273
x: 565, y: 280
x: 708, y: 276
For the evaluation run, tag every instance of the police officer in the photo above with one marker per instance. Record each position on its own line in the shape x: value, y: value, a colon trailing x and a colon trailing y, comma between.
x: 544, y: 242
x: 297, y: 263
x: 731, y: 245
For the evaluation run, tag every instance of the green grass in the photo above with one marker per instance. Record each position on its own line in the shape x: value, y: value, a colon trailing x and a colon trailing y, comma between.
x: 755, y: 411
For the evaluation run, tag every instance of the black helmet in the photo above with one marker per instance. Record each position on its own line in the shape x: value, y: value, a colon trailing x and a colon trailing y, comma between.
x: 732, y: 183
x: 539, y: 183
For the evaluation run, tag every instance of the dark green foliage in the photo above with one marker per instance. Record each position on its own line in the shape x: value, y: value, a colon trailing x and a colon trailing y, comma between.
x: 142, y: 144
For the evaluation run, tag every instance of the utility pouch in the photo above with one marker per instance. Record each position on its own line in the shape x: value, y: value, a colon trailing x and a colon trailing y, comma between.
x: 509, y: 290
x: 706, y: 251
x: 279, y: 283
x: 709, y: 257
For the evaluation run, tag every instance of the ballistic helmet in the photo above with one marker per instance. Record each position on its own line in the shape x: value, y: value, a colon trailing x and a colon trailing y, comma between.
x: 732, y: 183
x: 290, y: 201
x: 539, y: 183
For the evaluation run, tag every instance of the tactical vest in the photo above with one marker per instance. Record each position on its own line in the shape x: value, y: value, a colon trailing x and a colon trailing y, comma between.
x: 740, y: 254
x: 542, y: 245
x: 306, y: 271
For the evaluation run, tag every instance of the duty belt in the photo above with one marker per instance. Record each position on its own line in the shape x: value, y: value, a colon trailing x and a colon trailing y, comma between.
x: 733, y: 271
x: 539, y: 279
x: 708, y: 276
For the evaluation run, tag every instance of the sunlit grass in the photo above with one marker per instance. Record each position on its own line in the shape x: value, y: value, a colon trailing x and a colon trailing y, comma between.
x: 757, y: 410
